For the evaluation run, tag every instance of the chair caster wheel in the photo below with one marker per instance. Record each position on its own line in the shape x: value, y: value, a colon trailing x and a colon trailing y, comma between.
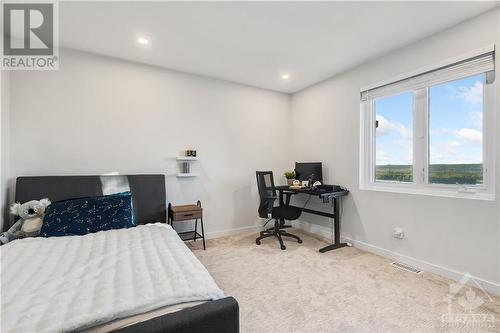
x: 300, y: 241
x: 257, y: 242
x: 283, y: 247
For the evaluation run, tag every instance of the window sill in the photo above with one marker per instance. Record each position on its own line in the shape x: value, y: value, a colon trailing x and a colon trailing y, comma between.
x: 431, y: 191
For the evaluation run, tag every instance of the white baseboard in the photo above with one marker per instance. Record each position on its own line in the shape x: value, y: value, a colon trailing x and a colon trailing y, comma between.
x: 233, y: 231
x: 325, y: 232
x: 316, y: 229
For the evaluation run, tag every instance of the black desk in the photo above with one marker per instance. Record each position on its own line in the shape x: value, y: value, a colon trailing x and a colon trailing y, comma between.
x: 326, y: 193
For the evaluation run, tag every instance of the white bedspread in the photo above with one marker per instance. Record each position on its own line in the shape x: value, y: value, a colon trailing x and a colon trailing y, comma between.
x: 64, y: 283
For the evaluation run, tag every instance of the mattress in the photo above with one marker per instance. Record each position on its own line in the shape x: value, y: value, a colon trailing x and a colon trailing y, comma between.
x: 131, y: 320
x: 78, y: 282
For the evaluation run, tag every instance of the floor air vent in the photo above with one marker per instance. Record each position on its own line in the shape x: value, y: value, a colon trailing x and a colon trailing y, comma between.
x: 406, y: 267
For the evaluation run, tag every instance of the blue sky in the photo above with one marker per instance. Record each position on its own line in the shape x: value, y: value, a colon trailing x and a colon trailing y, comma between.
x: 455, y: 121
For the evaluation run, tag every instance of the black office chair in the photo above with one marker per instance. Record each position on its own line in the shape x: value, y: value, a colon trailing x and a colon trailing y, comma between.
x: 267, y: 194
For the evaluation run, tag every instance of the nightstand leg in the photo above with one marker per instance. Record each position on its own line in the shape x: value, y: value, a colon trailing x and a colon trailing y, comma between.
x: 203, y: 233
x: 169, y: 214
x: 195, y: 228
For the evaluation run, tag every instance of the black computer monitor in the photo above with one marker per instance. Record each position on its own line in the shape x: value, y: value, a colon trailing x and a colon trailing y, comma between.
x: 304, y: 170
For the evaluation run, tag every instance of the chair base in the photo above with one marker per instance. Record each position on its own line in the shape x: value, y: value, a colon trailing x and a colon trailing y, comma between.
x: 278, y: 233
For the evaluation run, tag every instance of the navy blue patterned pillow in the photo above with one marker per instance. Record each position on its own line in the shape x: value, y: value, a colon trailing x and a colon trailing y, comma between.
x: 86, y: 215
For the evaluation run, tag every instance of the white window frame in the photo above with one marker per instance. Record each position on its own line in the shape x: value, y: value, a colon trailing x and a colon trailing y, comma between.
x: 420, y: 184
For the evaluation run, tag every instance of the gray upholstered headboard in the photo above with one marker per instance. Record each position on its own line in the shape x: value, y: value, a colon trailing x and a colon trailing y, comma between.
x: 148, y: 192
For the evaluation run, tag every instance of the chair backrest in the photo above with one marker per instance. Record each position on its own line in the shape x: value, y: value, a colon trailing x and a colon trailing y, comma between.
x: 267, y: 193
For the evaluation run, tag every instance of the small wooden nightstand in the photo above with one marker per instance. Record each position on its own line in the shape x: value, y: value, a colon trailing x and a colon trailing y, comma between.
x: 188, y: 213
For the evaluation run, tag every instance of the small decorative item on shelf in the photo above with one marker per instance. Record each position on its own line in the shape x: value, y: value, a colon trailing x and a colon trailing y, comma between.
x: 185, y: 164
x: 290, y: 176
x: 191, y: 153
x: 186, y: 167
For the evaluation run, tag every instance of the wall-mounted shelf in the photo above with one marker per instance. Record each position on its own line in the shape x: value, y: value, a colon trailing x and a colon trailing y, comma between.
x: 185, y: 166
x: 187, y: 158
x: 182, y: 175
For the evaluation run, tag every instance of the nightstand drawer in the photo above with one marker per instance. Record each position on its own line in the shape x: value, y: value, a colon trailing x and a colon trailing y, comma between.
x: 187, y: 215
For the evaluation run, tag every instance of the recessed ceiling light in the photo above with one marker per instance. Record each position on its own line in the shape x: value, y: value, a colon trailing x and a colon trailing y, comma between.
x: 142, y: 40
x: 285, y: 76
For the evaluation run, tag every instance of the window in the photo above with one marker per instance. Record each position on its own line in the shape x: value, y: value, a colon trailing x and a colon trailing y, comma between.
x: 394, y: 153
x: 432, y: 131
x: 456, y: 132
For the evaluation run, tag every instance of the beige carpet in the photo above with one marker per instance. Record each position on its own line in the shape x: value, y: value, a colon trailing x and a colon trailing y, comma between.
x: 347, y: 290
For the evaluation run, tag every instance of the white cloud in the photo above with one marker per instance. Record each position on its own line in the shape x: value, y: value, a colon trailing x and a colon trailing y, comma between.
x: 406, y: 151
x: 394, y: 157
x: 444, y: 151
x: 472, y: 94
x: 397, y: 150
x: 382, y: 156
x: 476, y: 119
x: 454, y: 152
x: 453, y: 144
x: 471, y: 135
x: 386, y: 126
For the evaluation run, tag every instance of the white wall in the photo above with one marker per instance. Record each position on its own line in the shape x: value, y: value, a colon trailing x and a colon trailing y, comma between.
x: 449, y: 236
x: 4, y: 143
x: 96, y: 115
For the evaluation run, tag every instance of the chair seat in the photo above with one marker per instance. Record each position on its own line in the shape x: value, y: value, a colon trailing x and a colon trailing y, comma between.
x: 286, y: 212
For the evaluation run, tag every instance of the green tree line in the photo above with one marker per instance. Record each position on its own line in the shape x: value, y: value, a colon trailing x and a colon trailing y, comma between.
x: 463, y: 174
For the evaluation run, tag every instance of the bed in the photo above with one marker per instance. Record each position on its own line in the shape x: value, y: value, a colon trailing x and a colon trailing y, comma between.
x: 143, y: 279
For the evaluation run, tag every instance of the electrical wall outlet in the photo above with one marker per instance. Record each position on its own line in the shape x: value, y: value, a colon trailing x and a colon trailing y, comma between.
x: 398, y: 233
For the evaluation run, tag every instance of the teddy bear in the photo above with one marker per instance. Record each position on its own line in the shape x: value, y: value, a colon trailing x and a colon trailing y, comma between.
x: 31, y: 219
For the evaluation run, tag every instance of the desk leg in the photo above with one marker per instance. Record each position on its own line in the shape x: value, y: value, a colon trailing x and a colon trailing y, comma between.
x: 336, y: 229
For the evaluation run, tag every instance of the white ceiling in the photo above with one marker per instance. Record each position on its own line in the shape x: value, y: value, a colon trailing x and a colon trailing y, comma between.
x: 255, y: 42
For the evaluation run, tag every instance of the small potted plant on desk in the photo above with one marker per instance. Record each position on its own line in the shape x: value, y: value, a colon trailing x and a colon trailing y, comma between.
x: 290, y: 177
